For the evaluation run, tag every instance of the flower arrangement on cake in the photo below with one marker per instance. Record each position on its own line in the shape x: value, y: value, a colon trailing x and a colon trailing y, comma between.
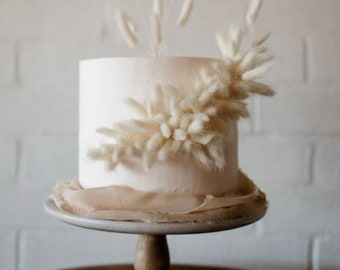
x: 171, y: 124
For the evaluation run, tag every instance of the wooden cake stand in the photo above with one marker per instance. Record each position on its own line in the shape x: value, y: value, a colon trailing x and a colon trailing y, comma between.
x: 151, y: 252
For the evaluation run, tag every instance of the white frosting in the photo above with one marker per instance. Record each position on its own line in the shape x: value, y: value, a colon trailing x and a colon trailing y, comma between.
x: 104, y: 85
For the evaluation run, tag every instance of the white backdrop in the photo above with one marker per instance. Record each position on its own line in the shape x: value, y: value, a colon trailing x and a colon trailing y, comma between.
x: 290, y: 146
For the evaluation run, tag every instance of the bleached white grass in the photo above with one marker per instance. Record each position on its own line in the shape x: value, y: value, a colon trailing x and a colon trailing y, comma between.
x: 222, y: 44
x: 166, y: 131
x: 185, y: 13
x: 136, y: 107
x: 253, y: 11
x: 258, y: 42
x: 245, y: 65
x: 124, y: 25
x: 156, y: 32
x: 255, y: 73
x: 158, y: 7
x: 155, y: 46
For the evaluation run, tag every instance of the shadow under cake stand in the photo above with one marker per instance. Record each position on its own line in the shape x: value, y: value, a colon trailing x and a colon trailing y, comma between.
x: 151, y: 252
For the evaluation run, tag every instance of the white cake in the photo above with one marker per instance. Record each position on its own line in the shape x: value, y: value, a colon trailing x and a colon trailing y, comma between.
x: 104, y: 85
x: 173, y: 157
x: 158, y: 136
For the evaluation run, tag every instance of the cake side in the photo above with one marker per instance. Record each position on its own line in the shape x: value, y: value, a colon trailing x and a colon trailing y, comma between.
x: 105, y: 84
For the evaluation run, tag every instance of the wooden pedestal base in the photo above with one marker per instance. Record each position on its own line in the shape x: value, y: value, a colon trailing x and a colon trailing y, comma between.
x: 151, y: 252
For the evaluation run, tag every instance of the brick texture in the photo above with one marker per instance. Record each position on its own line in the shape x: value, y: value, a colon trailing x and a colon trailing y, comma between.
x: 43, y: 249
x: 7, y: 55
x: 287, y: 17
x: 22, y: 207
x: 8, y: 159
x: 302, y: 210
x: 305, y: 110
x: 53, y: 18
x: 56, y: 62
x: 7, y: 249
x: 328, y: 249
x: 275, y: 161
x: 288, y: 63
x: 30, y: 110
x: 242, y: 250
x: 327, y: 163
x: 324, y: 64
x: 42, y: 158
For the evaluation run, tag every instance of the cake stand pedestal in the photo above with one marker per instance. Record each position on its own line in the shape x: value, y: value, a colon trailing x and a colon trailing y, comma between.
x: 151, y: 252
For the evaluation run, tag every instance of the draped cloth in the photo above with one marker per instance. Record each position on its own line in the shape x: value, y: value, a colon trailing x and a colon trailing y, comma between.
x: 123, y: 203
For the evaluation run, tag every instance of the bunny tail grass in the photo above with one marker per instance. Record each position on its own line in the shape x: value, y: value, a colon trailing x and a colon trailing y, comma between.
x: 185, y: 13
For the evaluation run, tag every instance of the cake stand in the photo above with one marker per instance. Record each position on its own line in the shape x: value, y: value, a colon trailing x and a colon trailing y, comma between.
x: 151, y: 252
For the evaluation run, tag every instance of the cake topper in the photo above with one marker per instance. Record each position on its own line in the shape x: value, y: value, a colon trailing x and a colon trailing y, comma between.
x: 170, y: 124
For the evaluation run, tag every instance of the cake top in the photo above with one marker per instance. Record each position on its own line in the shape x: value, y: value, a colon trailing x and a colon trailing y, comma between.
x: 171, y: 123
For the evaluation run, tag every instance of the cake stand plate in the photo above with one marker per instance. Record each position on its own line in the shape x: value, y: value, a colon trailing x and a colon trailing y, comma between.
x: 135, y: 227
x: 151, y: 249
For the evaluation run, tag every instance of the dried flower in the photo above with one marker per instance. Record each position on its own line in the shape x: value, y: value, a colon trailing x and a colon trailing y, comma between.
x: 185, y: 13
x: 156, y: 33
x: 222, y: 44
x: 158, y: 7
x: 124, y: 28
x: 255, y: 73
x: 261, y: 40
x: 253, y: 11
x: 128, y: 28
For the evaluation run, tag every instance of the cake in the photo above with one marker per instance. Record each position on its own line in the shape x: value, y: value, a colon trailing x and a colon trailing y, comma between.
x: 105, y: 84
x: 158, y: 137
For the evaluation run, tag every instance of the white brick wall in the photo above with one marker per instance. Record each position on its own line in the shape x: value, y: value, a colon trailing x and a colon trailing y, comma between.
x: 328, y: 253
x: 308, y: 210
x: 287, y: 64
x: 73, y: 247
x: 324, y: 65
x: 314, y: 108
x: 24, y: 110
x: 327, y: 163
x: 292, y: 156
x: 8, y: 249
x: 8, y: 159
x: 21, y: 207
x: 39, y: 156
x: 290, y: 147
x: 7, y: 55
x: 243, y: 249
x: 55, y: 18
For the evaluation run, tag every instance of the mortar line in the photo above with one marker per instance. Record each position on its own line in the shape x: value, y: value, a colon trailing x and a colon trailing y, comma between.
x: 305, y: 60
x: 17, y: 161
x: 17, y: 62
x: 17, y: 250
x: 311, y: 164
x: 314, y: 253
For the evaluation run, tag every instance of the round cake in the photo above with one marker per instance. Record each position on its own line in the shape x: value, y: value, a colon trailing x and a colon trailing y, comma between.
x: 158, y: 142
x: 104, y: 86
x: 158, y: 136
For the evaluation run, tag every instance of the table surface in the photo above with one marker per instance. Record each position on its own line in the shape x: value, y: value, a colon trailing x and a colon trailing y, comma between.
x: 130, y: 267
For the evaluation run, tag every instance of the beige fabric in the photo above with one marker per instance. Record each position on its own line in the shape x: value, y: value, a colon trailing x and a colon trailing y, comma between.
x: 124, y: 203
